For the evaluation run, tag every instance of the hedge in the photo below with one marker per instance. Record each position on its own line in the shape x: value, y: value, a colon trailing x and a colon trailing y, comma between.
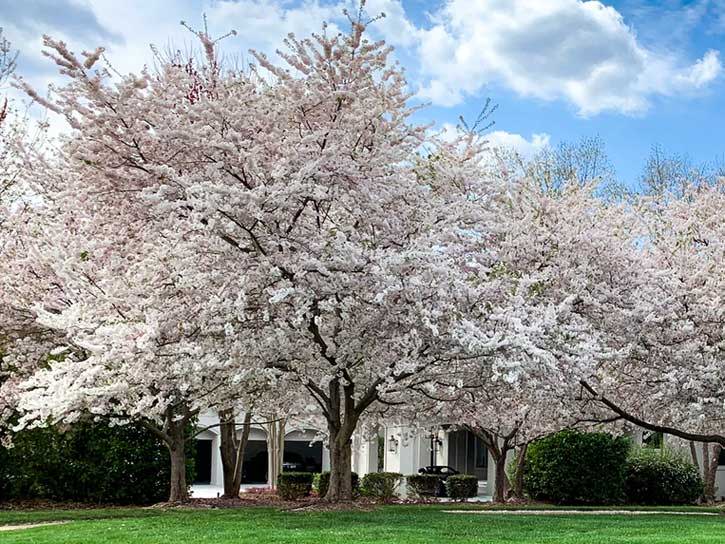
x: 294, y: 485
x: 661, y: 477
x: 89, y: 463
x: 573, y: 467
x: 462, y: 486
x: 322, y: 481
x: 381, y: 485
x: 422, y: 485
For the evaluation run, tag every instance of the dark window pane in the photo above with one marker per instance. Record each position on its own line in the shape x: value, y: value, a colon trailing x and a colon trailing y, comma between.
x: 481, y: 454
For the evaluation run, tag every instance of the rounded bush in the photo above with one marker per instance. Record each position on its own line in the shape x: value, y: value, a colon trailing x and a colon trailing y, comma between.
x: 322, y: 482
x: 573, y: 467
x: 381, y: 485
x: 462, y: 486
x: 422, y: 485
x: 661, y: 477
x: 293, y: 486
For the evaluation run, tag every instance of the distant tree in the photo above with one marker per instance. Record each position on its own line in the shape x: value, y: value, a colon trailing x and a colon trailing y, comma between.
x: 672, y: 173
x: 582, y: 162
x: 8, y: 63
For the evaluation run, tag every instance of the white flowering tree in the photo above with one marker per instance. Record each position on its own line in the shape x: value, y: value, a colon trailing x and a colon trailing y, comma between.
x: 134, y: 268
x: 204, y: 232
x: 343, y: 232
x: 547, y: 283
x: 23, y: 344
x: 669, y: 377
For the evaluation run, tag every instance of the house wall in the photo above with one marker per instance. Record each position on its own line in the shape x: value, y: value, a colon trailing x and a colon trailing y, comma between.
x: 406, y: 451
x: 364, y: 455
x: 256, y: 433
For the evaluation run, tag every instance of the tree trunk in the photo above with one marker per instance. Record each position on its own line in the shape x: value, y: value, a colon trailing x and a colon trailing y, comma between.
x: 693, y: 454
x: 517, y: 489
x: 498, y: 448
x: 275, y: 449
x: 340, y: 487
x: 232, y: 451
x: 179, y: 490
x: 500, y: 481
x: 709, y: 467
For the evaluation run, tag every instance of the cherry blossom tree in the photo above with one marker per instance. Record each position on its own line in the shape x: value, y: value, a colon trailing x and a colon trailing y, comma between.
x: 206, y: 231
x: 549, y: 275
x: 669, y: 379
x: 367, y: 239
x: 342, y: 227
x: 134, y: 263
x: 24, y: 345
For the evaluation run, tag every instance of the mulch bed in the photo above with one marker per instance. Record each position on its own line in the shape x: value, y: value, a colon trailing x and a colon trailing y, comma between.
x: 42, y: 504
x: 308, y: 504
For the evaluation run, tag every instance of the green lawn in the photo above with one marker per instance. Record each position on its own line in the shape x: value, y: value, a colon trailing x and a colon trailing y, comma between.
x: 392, y: 524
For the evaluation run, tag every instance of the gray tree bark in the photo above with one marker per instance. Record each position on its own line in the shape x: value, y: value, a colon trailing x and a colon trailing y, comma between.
x: 232, y: 450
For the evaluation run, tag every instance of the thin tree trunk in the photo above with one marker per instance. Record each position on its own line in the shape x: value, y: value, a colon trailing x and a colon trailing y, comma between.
x: 710, y: 464
x: 693, y: 454
x: 275, y: 449
x: 498, y: 448
x: 241, y: 448
x: 232, y: 451
x: 227, y: 449
x: 517, y: 489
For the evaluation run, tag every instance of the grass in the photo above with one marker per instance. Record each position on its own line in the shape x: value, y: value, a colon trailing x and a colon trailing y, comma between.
x: 584, y: 508
x: 399, y: 524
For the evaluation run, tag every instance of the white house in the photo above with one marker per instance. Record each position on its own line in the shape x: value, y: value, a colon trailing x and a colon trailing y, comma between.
x: 396, y: 449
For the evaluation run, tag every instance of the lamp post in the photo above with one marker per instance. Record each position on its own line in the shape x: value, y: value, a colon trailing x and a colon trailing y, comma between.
x: 434, y: 443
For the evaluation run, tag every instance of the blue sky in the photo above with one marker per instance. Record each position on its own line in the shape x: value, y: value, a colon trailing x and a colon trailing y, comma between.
x: 634, y: 72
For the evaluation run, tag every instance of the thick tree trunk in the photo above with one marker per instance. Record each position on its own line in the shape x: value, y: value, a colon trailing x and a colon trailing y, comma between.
x: 173, y: 435
x: 500, y: 481
x: 179, y: 490
x: 232, y: 451
x: 517, y: 488
x: 709, y: 467
x: 340, y: 487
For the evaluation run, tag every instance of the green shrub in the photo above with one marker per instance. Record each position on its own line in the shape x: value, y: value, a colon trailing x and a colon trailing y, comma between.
x: 89, y: 463
x: 661, y: 477
x: 292, y: 486
x: 462, y: 486
x: 322, y: 481
x: 422, y: 485
x: 381, y: 485
x: 573, y: 467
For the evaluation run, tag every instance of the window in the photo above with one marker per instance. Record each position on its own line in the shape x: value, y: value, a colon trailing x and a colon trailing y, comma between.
x: 481, y: 454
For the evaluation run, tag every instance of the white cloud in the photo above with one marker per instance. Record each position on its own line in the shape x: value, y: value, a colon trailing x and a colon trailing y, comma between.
x: 703, y: 71
x: 573, y: 50
x: 263, y: 24
x: 579, y: 51
x: 501, y: 139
